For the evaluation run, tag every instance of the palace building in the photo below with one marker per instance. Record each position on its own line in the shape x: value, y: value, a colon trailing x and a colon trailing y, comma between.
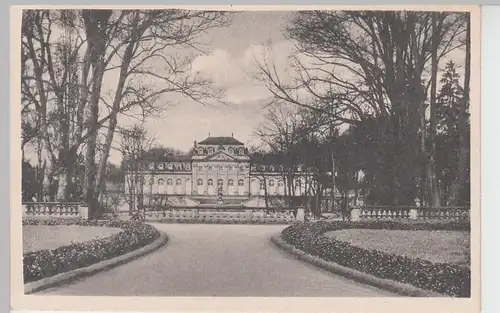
x: 216, y: 166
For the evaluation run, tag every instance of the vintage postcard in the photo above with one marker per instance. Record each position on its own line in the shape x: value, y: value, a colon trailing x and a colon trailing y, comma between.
x: 245, y: 158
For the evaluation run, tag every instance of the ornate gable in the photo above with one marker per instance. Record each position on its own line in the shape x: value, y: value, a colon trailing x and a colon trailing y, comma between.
x: 220, y: 156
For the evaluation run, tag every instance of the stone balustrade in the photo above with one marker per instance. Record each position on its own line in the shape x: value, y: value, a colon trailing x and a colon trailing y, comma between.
x: 243, y: 215
x: 408, y: 213
x: 55, y: 209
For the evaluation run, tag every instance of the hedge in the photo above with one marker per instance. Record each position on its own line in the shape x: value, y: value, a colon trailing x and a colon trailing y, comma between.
x: 443, y: 278
x: 46, y: 263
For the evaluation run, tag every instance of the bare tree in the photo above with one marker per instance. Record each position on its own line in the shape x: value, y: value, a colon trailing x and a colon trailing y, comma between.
x: 138, y: 45
x: 135, y: 145
x: 352, y: 66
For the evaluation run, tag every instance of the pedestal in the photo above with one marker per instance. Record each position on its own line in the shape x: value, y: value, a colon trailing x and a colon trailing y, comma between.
x: 355, y: 214
x: 300, y: 214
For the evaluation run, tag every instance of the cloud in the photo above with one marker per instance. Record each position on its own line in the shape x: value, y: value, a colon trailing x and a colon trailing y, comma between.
x: 234, y: 73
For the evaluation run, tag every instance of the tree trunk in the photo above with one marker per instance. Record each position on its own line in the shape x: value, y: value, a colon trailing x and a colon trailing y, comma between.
x: 95, y: 21
x: 333, y: 181
x: 434, y: 188
x: 127, y: 58
x: 458, y: 182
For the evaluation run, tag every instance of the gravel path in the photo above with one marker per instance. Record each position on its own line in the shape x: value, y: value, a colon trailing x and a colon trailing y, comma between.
x: 217, y: 260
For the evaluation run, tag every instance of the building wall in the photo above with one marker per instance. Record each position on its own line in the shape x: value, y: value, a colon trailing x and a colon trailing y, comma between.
x: 235, y: 178
x: 211, y: 166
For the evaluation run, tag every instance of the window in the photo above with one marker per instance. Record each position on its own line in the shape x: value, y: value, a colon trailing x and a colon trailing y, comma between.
x: 231, y: 151
x: 152, y: 166
x: 210, y: 150
x: 178, y: 166
x: 262, y: 186
x: 200, y: 150
x: 210, y: 182
x: 240, y: 151
x: 170, y: 166
x: 170, y: 182
x: 230, y: 182
x: 160, y: 181
x: 271, y: 168
x: 160, y: 166
x: 220, y: 183
x: 210, y: 167
x: 200, y: 168
x: 280, y: 183
x: 178, y: 182
x: 187, y: 167
x: 240, y: 182
x: 271, y: 183
x: 200, y: 182
x: 262, y: 168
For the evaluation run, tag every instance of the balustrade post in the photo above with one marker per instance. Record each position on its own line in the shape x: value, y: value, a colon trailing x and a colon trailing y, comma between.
x: 413, y: 214
x: 249, y: 214
x: 300, y: 214
x: 84, y: 211
x: 355, y: 214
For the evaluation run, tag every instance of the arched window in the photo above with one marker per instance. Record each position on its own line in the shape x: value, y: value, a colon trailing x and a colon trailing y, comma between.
x: 262, y: 186
x: 200, y: 182
x: 229, y: 167
x: 230, y: 182
x: 200, y: 150
x: 231, y: 151
x: 210, y: 150
x: 210, y: 167
x: 152, y: 166
x: 178, y: 182
x: 280, y: 183
x: 170, y: 182
x: 241, y: 151
x: 200, y: 168
x: 271, y: 183
x: 220, y: 183
x: 160, y: 181
x: 210, y: 182
x: 240, y: 182
x: 160, y: 166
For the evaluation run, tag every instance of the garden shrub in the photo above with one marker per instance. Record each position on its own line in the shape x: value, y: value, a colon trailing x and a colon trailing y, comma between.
x: 46, y: 263
x: 447, y: 279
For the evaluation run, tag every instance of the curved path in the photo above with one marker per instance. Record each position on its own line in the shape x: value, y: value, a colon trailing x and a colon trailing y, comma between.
x: 217, y: 260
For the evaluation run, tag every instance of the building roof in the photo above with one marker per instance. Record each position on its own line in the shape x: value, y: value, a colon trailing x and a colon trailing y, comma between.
x: 220, y: 141
x: 167, y: 158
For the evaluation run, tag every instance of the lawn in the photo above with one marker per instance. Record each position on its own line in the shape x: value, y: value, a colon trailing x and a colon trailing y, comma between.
x: 51, y: 237
x: 435, y: 246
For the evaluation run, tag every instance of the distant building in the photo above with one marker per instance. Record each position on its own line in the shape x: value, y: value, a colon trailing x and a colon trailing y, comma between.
x: 216, y: 162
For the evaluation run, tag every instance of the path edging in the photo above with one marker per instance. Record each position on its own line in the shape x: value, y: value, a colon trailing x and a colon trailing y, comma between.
x: 69, y: 276
x: 385, y: 284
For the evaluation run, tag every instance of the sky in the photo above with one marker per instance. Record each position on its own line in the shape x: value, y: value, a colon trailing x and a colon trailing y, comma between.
x: 229, y: 57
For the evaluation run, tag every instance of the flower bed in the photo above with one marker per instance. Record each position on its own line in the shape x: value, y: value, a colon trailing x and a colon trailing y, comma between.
x: 46, y: 263
x: 443, y: 278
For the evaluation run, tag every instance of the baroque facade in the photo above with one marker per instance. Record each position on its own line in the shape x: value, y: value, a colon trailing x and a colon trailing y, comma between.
x: 216, y: 165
